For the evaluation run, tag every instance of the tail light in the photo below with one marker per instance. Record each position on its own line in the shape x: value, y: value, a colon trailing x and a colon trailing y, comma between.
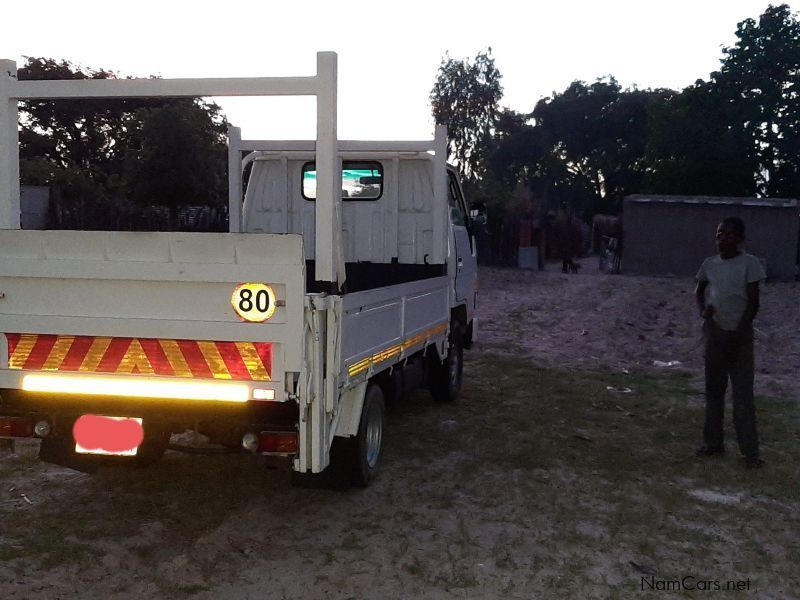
x: 277, y: 442
x: 16, y: 427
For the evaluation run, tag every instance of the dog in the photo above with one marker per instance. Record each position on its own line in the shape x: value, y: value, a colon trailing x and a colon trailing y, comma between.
x: 569, y: 266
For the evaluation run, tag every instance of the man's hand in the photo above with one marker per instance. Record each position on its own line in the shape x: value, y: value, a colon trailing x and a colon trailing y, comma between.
x: 700, y: 296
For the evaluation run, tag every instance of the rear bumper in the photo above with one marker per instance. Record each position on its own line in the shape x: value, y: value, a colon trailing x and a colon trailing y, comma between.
x: 173, y: 404
x: 15, y: 402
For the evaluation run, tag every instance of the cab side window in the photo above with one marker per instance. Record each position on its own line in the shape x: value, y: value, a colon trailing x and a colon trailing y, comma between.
x: 458, y: 213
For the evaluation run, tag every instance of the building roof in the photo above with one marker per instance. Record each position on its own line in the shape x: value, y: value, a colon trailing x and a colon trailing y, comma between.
x: 721, y: 200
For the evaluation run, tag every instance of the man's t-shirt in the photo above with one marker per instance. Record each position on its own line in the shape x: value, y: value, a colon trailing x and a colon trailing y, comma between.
x: 727, y: 282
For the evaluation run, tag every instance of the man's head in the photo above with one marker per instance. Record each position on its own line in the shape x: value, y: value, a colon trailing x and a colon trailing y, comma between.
x: 730, y: 233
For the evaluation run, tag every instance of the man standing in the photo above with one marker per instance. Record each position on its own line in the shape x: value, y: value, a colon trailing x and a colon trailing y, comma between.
x: 731, y: 279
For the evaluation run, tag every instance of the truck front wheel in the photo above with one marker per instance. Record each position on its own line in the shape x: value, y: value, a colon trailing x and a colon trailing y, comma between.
x: 447, y: 376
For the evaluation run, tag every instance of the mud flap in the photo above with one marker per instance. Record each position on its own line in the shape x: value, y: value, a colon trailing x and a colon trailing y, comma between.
x: 61, y: 451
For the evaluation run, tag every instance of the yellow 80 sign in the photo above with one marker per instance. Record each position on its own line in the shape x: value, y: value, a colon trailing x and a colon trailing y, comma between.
x: 253, y: 302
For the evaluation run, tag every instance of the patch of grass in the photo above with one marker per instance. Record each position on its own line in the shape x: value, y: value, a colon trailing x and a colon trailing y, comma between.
x: 531, y: 315
x: 188, y: 497
x: 545, y: 449
x: 503, y: 558
x: 190, y: 590
x: 539, y: 416
x: 536, y: 479
x: 9, y: 552
x: 352, y: 543
x: 415, y: 568
x: 49, y: 548
x: 459, y: 577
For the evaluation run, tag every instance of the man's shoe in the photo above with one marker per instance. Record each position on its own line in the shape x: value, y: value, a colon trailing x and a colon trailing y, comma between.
x: 706, y: 450
x: 753, y: 462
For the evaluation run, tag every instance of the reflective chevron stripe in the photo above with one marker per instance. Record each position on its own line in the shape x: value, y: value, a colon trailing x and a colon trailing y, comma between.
x: 248, y: 361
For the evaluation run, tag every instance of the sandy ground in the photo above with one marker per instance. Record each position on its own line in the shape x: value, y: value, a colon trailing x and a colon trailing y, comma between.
x: 449, y: 517
x: 599, y: 321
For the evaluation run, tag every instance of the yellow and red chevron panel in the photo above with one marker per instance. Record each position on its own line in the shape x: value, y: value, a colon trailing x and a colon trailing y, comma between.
x: 244, y: 361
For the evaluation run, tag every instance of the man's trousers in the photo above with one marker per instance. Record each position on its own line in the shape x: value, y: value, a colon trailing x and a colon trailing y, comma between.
x: 729, y: 354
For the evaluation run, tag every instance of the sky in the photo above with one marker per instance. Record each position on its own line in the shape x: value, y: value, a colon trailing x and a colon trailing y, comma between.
x: 388, y: 54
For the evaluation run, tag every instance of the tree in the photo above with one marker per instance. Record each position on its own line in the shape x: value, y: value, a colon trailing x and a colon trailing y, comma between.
x: 179, y: 157
x: 737, y: 134
x: 70, y: 143
x: 161, y: 151
x: 760, y: 83
x: 595, y: 136
x: 465, y: 97
x: 693, y: 150
x: 517, y: 147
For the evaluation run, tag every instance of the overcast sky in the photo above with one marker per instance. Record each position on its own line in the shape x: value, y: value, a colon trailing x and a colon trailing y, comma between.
x: 388, y: 53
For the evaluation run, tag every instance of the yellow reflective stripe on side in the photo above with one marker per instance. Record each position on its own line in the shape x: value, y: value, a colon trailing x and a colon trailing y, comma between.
x: 21, y: 353
x: 392, y: 351
x: 411, y: 342
x: 387, y: 354
x: 356, y: 368
x: 441, y: 328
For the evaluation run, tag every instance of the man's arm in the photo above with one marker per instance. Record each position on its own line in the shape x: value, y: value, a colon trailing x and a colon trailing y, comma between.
x: 706, y: 311
x: 751, y: 310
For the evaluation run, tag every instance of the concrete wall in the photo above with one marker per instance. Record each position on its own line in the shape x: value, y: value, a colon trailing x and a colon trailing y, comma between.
x: 673, y: 234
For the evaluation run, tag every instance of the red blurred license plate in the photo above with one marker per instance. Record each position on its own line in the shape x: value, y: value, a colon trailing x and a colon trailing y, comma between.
x: 108, y: 436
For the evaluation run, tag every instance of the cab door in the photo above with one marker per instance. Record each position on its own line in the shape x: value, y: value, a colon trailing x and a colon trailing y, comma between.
x: 466, y: 268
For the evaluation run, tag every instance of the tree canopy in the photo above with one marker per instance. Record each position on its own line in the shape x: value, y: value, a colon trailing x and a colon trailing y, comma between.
x: 465, y: 97
x: 738, y: 133
x: 585, y: 148
x: 760, y: 84
x: 165, y: 152
x: 595, y: 136
x: 692, y: 149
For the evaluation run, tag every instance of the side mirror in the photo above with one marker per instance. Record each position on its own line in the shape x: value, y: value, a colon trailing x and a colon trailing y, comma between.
x: 477, y: 214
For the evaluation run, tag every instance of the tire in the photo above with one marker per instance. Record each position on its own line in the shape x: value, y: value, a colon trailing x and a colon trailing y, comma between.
x: 369, y: 441
x: 355, y: 460
x: 448, y: 375
x: 467, y: 338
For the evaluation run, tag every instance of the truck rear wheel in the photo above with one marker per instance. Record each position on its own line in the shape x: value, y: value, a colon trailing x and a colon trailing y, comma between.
x: 364, y: 456
x: 354, y: 460
x: 447, y: 376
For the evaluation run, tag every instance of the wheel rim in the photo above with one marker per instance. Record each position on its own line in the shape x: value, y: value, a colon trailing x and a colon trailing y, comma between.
x: 373, y: 437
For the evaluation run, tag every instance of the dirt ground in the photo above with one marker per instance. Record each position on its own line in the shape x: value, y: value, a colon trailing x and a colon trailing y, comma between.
x: 598, y: 321
x: 566, y: 469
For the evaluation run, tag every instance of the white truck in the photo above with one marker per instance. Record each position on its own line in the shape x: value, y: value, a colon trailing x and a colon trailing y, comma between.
x: 348, y: 276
